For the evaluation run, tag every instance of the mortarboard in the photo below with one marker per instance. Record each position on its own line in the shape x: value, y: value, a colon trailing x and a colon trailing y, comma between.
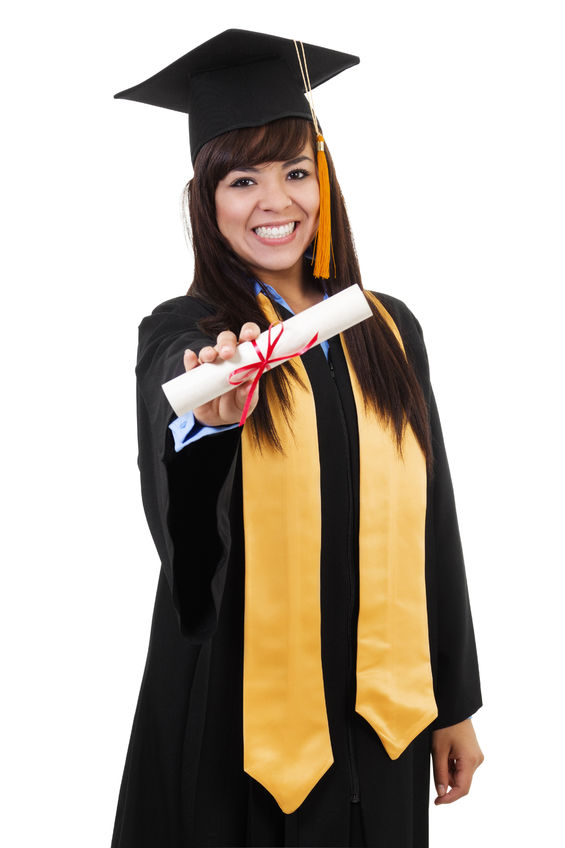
x: 246, y: 79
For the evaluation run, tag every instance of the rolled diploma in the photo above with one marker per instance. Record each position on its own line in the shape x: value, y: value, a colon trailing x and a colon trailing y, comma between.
x: 211, y: 379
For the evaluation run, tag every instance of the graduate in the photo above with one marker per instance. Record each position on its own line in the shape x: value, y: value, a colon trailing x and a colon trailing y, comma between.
x: 312, y: 650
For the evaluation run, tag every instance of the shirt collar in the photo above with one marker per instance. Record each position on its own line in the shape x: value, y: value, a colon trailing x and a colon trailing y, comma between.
x: 274, y: 295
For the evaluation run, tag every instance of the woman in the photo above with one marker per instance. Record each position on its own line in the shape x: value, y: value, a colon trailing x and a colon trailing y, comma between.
x: 312, y: 640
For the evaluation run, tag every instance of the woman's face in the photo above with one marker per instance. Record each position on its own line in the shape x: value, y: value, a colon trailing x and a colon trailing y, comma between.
x: 269, y: 213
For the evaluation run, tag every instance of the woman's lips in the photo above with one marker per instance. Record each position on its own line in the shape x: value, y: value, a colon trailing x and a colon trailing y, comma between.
x: 276, y: 233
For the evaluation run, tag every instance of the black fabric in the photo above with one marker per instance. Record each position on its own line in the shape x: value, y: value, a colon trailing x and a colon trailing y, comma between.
x: 238, y: 79
x: 183, y: 783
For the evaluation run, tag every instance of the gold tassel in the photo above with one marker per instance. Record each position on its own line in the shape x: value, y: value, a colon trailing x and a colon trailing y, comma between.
x: 323, y: 244
x: 323, y: 240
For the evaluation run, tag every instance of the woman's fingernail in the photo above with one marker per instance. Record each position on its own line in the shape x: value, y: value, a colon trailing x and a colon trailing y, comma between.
x: 440, y: 789
x: 224, y: 350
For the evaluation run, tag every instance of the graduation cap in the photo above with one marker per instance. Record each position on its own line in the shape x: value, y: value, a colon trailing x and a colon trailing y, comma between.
x: 247, y: 79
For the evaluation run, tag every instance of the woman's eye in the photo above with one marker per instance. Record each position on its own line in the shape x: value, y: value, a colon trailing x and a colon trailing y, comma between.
x: 298, y: 174
x: 242, y: 182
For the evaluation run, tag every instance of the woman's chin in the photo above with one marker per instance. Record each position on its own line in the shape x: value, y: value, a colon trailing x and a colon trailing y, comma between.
x: 280, y: 260
x: 278, y: 266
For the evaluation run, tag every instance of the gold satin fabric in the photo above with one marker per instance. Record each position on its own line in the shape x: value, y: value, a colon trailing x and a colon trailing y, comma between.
x: 286, y: 738
x: 394, y: 678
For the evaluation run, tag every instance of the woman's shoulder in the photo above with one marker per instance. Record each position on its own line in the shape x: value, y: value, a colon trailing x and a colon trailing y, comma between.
x: 402, y: 316
x: 185, y: 305
x: 409, y: 328
x: 174, y: 315
x: 173, y: 322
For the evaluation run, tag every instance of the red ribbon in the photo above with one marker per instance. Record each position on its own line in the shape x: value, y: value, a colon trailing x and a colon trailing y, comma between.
x: 263, y: 365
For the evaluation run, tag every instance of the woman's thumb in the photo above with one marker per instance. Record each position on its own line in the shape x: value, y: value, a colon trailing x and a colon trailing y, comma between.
x: 440, y: 756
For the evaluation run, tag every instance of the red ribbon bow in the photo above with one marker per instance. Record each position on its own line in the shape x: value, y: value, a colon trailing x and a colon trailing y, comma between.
x: 263, y: 365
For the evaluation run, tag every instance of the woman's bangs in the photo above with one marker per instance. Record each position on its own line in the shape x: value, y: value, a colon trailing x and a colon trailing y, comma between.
x: 278, y: 141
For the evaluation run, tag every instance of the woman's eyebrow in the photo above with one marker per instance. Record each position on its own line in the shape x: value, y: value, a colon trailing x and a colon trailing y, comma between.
x: 246, y: 169
x: 252, y: 170
x: 297, y: 160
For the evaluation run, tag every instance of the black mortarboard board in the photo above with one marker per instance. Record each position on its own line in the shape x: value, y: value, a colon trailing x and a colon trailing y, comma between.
x: 238, y: 79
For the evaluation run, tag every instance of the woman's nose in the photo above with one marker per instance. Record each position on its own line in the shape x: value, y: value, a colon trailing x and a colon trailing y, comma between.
x: 275, y: 197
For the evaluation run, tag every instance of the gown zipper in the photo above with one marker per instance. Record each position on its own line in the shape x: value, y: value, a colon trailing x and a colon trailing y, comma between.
x: 353, y: 774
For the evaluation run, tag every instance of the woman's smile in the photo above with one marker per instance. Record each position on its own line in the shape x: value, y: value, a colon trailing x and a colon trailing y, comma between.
x: 277, y: 233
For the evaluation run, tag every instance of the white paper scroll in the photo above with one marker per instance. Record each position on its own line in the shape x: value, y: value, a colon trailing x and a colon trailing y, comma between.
x: 211, y: 379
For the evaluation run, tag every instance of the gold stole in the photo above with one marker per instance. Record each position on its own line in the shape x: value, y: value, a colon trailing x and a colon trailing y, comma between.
x: 286, y: 737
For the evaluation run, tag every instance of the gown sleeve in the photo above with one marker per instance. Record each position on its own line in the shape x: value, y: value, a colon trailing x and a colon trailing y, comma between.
x: 457, y: 683
x: 453, y: 650
x: 186, y: 495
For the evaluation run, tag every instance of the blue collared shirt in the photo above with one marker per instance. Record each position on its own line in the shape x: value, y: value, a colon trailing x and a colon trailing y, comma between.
x: 186, y: 429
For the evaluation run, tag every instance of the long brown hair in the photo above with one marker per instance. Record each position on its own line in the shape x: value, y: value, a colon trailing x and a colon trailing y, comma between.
x: 222, y: 279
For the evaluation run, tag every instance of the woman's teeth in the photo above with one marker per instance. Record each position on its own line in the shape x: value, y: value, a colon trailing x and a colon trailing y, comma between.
x: 275, y: 232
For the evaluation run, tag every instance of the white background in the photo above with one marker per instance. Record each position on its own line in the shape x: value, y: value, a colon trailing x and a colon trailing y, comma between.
x: 449, y: 143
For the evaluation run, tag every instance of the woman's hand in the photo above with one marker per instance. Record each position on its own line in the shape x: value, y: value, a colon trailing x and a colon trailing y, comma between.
x: 227, y: 408
x: 456, y: 755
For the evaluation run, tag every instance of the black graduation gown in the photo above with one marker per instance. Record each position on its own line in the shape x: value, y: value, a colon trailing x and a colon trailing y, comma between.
x: 183, y: 782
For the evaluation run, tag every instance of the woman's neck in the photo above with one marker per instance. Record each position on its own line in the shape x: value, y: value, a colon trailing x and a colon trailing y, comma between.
x: 298, y: 289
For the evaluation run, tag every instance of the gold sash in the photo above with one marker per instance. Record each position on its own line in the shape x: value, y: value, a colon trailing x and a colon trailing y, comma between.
x: 286, y: 737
